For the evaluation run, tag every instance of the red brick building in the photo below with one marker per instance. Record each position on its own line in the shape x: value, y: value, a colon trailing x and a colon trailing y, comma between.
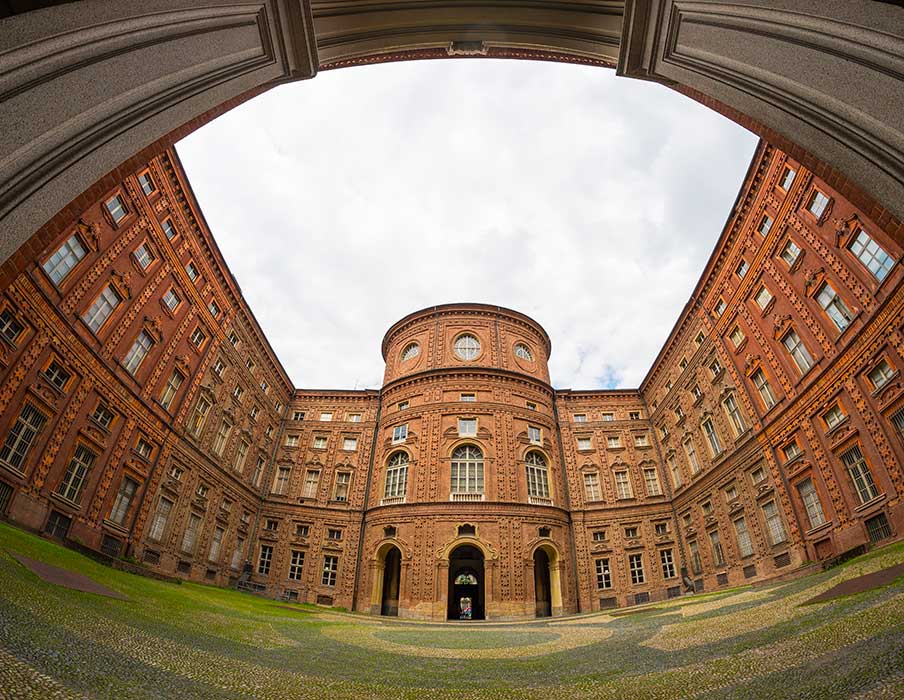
x: 143, y: 413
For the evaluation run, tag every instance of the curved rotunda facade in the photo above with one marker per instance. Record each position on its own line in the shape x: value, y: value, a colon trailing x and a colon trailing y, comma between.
x: 144, y: 415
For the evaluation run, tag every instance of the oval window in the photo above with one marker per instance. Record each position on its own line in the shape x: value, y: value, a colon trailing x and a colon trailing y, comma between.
x: 467, y: 347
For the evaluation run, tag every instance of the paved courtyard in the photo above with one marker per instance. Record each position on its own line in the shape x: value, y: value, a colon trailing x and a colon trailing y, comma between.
x: 163, y: 640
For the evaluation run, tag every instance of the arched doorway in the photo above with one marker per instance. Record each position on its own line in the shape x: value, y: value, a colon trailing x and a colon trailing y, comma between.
x: 392, y: 575
x: 466, y: 584
x: 542, y: 588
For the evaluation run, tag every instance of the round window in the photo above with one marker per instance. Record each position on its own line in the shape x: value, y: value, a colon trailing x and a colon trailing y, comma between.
x: 411, y: 351
x: 522, y: 351
x: 467, y: 347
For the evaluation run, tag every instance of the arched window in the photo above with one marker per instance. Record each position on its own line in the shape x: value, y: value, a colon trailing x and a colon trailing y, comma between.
x: 467, y: 474
x: 411, y: 351
x: 396, y: 478
x: 522, y: 351
x: 537, y: 476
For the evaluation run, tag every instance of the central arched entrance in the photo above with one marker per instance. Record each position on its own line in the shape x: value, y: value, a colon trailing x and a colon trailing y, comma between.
x: 466, y: 584
x: 392, y: 576
x: 542, y: 588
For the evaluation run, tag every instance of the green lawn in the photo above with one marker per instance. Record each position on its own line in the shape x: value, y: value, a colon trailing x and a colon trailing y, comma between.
x: 191, y: 641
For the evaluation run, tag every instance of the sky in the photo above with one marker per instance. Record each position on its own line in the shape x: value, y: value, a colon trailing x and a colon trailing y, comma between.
x: 589, y: 202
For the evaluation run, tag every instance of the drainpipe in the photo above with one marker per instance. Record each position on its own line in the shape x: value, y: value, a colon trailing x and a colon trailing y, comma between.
x: 370, y: 470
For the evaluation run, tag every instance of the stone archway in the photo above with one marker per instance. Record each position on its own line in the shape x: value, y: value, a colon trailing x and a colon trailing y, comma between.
x: 817, y: 79
x: 547, y: 574
x: 467, y: 584
x: 386, y: 572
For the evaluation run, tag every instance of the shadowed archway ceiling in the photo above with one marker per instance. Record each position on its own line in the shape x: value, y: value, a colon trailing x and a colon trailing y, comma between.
x: 351, y: 32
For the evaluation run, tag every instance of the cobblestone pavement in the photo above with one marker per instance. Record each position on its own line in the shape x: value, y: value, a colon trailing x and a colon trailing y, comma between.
x: 191, y: 641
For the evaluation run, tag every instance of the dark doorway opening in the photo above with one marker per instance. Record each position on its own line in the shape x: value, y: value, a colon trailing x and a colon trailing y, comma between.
x: 392, y: 574
x: 541, y: 584
x: 466, y: 585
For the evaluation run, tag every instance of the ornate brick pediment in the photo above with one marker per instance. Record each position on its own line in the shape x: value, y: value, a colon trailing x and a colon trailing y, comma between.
x: 844, y: 229
x: 88, y: 233
x: 813, y: 280
x: 121, y: 283
x: 781, y: 326
x: 751, y: 363
x: 153, y: 327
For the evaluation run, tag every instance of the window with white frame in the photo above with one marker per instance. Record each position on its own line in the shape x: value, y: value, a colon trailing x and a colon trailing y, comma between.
x: 736, y: 336
x: 400, y: 433
x: 127, y: 489
x: 871, y: 254
x: 21, y: 436
x: 537, y: 475
x: 635, y: 565
x: 742, y: 269
x: 281, y: 481
x: 258, y: 472
x: 103, y: 416
x: 623, y: 485
x: 354, y: 418
x: 764, y: 389
x: 745, y: 544
x: 613, y: 441
x: 580, y: 417
x: 798, y: 351
x: 350, y: 444
x: 765, y: 224
x: 326, y: 416
x: 592, y: 486
x: 190, y: 536
x: 790, y: 252
x: 343, y: 482
x: 467, y: 470
x: 641, y: 440
x: 116, y: 208
x: 731, y: 493
x: 692, y: 458
x: 80, y: 464
x: 403, y: 405
x: 720, y: 307
x: 198, y: 337
x: 467, y: 427
x: 787, y: 178
x: 102, y: 308
x: 144, y: 256
x: 241, y: 454
x: 834, y: 416
x: 812, y: 505
x: 774, y: 526
x: 715, y: 543
x: 715, y: 367
x: 467, y: 397
x: 221, y: 437
x: 763, y: 297
x: 733, y: 411
x: 817, y: 203
x: 880, y: 375
x: 396, y: 476
x: 264, y: 560
x: 64, y: 259
x: 168, y: 229
x: 522, y: 351
x: 320, y: 442
x: 330, y: 570
x: 202, y: 408
x: 651, y: 480
x: 533, y: 434
x: 192, y: 271
x: 466, y: 347
x: 171, y: 388
x: 160, y: 519
x: 603, y: 574
x: 214, y: 309
x: 10, y: 328
x: 411, y: 351
x: 696, y: 392
x: 834, y: 307
x: 667, y: 562
x: 607, y: 417
x: 712, y: 437
x: 860, y: 474
x: 791, y: 451
x: 311, y: 483
x: 138, y: 352
x: 296, y: 565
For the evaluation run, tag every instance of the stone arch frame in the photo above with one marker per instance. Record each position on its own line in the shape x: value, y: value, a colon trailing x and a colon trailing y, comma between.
x: 472, y: 441
x: 375, y: 567
x: 490, y: 563
x: 556, y: 570
x: 522, y: 462
x: 394, y: 450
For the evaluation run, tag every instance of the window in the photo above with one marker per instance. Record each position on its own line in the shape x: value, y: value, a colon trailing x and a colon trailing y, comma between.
x: 810, y: 499
x: 144, y: 448
x: 834, y: 307
x: 190, y: 536
x: 123, y: 500
x: 537, y: 475
x: 64, y: 259
x: 871, y: 254
x: 641, y: 440
x: 715, y: 543
x: 161, y: 516
x: 791, y: 451
x: 400, y: 433
x: 192, y: 271
x: 241, y: 454
x: 402, y: 405
x: 696, y: 566
x: 763, y: 388
x: 699, y: 339
x: 676, y: 472
x: 696, y: 392
x: 218, y: 367
x: 269, y: 431
x: 116, y: 207
x: 709, y: 430
x: 522, y: 351
x: 298, y: 415
x: 219, y: 442
x: 330, y: 568
x: 396, y: 476
x: 736, y: 336
x: 56, y: 375
x: 608, y: 417
x: 715, y: 367
x: 603, y: 574
x: 343, y: 481
x: 271, y: 525
x: 720, y: 307
x: 651, y: 480
x: 742, y: 268
x: 169, y: 391
x: 319, y: 441
x: 592, y: 486
x: 101, y: 309
x: 634, y: 415
x: 707, y: 508
x: 613, y: 441
x: 171, y: 299
x: 635, y: 564
x: 466, y: 347
x: 350, y: 444
x: 798, y: 351
x: 533, y: 434
x: 265, y: 559
x: 661, y: 528
x: 333, y: 533
x: 860, y: 474
x: 138, y: 352
x: 467, y: 426
x: 76, y: 473
x: 745, y: 545
x: 763, y: 297
x: 790, y: 253
x: 216, y: 544
x: 296, y: 564
x: 683, y: 363
x: 623, y: 485
x: 411, y: 351
x: 21, y: 436
x: 266, y: 388
x: 326, y: 417
x: 733, y: 411
x: 214, y: 309
x: 787, y: 178
x: 765, y: 224
x: 667, y: 562
x: 103, y: 416
x: 301, y: 530
x: 817, y: 204
x: 168, y: 229
x: 258, y: 472
x: 774, y: 526
x: 467, y: 471
x: 692, y: 456
x: 176, y: 472
x: 834, y: 416
x: 198, y: 337
x: 531, y: 406
x: 144, y: 256
x: 580, y: 417
x: 311, y: 482
x: 147, y: 184
x: 281, y: 482
x: 880, y: 375
x: 758, y: 476
x: 199, y: 416
x: 599, y: 536
x: 10, y: 328
x: 233, y: 339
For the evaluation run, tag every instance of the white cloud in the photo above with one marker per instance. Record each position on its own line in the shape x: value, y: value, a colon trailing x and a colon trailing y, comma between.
x: 588, y: 202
